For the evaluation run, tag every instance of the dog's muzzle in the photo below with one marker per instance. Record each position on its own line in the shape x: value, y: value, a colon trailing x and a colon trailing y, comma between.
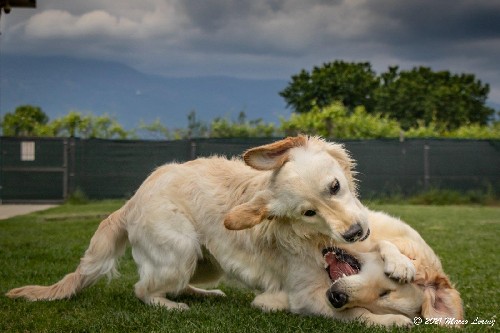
x: 355, y: 233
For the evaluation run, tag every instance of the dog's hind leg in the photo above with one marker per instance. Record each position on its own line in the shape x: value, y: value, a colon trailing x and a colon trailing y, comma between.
x: 208, y: 273
x: 271, y: 301
x: 166, y: 252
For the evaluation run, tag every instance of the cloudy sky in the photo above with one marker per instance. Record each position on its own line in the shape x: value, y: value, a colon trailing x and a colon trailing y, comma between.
x: 264, y: 38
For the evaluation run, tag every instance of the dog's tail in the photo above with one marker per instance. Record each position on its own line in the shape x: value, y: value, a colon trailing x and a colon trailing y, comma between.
x: 107, y: 244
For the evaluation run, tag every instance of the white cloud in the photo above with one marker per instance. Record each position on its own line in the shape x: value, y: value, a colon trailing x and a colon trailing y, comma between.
x: 59, y: 24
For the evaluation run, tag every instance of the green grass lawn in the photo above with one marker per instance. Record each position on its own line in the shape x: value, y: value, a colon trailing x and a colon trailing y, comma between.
x: 41, y: 248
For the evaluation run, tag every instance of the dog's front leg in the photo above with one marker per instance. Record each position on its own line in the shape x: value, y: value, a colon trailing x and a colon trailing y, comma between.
x: 396, y: 265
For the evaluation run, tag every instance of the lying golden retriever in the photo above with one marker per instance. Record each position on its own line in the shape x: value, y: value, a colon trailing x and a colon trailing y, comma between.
x: 285, y: 202
x: 379, y: 276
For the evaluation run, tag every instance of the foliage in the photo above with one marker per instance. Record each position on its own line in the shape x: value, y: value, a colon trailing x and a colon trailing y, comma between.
x: 438, y: 196
x: 89, y: 126
x: 41, y: 248
x: 352, y: 84
x: 450, y: 197
x: 413, y: 97
x: 155, y: 129
x: 473, y: 131
x: 32, y: 121
x: 333, y: 121
x: 476, y: 131
x: 226, y: 128
x: 422, y: 95
x: 26, y: 120
x: 196, y: 128
x: 70, y: 125
x: 77, y: 197
x: 105, y: 127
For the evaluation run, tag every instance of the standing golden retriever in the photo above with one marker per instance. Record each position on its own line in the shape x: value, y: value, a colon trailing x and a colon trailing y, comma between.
x: 394, y: 271
x: 293, y: 198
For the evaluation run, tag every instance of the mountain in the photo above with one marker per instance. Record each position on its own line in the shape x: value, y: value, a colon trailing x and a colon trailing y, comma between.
x: 61, y: 84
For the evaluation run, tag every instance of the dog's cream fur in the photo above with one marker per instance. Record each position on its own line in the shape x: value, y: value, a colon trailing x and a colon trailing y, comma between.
x: 290, y: 200
x: 400, y: 273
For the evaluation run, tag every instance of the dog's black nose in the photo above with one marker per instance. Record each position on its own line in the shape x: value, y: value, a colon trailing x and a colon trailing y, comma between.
x: 354, y: 233
x: 337, y: 298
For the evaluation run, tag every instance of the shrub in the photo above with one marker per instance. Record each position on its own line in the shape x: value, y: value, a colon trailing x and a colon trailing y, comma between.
x: 334, y: 121
x: 77, y: 197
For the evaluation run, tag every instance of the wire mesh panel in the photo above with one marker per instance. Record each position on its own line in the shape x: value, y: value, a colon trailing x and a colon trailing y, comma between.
x: 388, y: 166
x: 33, y: 169
x: 464, y: 164
x: 49, y: 169
x: 392, y: 167
x: 115, y: 168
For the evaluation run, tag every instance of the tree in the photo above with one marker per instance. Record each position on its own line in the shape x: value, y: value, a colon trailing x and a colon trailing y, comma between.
x: 26, y: 120
x: 155, y: 129
x: 352, y: 84
x: 415, y: 97
x: 106, y: 127
x: 424, y: 96
x: 70, y: 125
x: 88, y: 126
x: 196, y: 128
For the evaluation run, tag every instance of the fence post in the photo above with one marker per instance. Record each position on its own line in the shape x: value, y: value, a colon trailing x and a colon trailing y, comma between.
x: 65, y: 169
x: 192, y: 152
x: 427, y: 175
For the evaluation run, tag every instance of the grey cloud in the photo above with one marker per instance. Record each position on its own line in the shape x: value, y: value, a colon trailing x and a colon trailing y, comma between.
x: 445, y: 22
x: 265, y: 38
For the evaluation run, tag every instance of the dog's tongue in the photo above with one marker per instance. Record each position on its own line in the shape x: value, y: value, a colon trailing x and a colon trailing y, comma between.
x: 337, y: 268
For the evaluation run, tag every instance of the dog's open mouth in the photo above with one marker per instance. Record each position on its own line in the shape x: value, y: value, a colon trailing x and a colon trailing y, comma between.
x: 339, y: 263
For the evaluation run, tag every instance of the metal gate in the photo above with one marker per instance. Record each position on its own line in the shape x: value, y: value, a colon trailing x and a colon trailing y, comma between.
x: 33, y: 169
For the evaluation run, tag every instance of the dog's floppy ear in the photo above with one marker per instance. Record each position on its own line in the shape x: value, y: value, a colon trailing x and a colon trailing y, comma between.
x: 441, y: 300
x: 274, y: 155
x: 249, y: 214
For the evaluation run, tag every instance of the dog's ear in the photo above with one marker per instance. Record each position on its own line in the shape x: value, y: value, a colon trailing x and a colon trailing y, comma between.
x: 249, y: 214
x: 272, y: 156
x: 441, y: 300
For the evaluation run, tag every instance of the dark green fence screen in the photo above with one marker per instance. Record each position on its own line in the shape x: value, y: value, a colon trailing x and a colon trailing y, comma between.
x: 41, y: 169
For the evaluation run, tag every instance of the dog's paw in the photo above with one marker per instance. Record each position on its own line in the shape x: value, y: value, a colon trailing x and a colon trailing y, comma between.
x: 388, y: 320
x: 271, y: 301
x: 400, y: 268
x: 398, y: 320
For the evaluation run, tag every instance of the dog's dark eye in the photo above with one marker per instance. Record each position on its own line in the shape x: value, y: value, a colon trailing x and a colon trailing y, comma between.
x: 309, y: 213
x: 384, y: 293
x: 335, y: 187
